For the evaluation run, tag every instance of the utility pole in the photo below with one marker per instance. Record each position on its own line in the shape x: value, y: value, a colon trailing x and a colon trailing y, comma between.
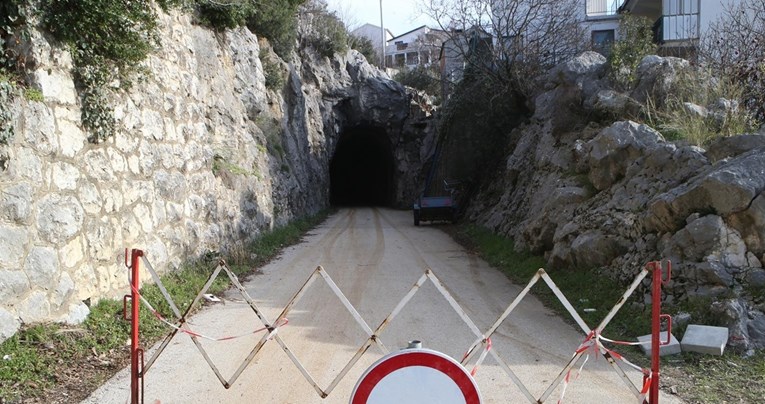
x: 382, y: 34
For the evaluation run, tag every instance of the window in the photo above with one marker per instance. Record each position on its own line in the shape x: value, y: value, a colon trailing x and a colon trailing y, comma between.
x: 400, y: 45
x: 602, y: 40
x: 412, y: 58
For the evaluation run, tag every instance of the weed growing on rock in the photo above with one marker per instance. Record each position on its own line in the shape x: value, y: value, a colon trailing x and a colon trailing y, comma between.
x: 108, y: 40
x: 325, y: 31
x: 701, y: 108
x: 7, y: 130
x: 635, y: 42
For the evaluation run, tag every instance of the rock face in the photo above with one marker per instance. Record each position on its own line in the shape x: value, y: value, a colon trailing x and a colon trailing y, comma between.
x: 206, y: 158
x: 618, y: 196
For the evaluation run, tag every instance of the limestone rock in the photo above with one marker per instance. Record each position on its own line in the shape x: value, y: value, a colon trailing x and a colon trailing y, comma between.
x: 586, y: 66
x: 655, y: 77
x: 41, y: 266
x: 733, y: 146
x: 16, y: 202
x: 725, y: 189
x: 615, y: 148
x: 13, y: 285
x: 14, y: 241
x: 593, y: 250
x: 34, y: 308
x: 59, y: 217
x: 9, y: 324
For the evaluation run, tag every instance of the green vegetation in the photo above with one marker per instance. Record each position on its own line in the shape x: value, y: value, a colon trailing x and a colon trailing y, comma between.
x: 328, y: 34
x: 697, y: 378
x: 364, y: 45
x: 577, y: 285
x: 678, y: 118
x: 273, y: 72
x: 277, y: 21
x: 38, y: 357
x: 13, y: 18
x: 33, y: 94
x: 220, y: 164
x: 636, y: 42
x: 427, y: 79
x: 108, y: 40
x: 7, y: 130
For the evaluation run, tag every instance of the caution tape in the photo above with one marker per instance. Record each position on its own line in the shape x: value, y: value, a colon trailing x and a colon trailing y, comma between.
x: 481, y: 358
x: 593, y: 341
x: 192, y: 333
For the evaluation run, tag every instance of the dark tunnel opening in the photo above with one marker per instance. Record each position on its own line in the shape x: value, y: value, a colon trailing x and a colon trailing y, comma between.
x: 361, y: 170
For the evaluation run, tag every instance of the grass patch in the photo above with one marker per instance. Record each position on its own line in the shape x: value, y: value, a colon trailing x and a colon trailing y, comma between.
x: 695, y: 378
x: 41, y: 361
x: 585, y: 289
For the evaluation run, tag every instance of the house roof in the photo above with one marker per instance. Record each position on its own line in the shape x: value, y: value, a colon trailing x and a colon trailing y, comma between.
x: 372, y: 26
x: 408, y: 32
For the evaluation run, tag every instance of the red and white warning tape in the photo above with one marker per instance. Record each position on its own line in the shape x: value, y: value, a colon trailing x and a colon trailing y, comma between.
x: 593, y: 341
x: 190, y: 332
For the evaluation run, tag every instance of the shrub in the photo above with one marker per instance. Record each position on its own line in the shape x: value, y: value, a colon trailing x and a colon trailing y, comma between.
x: 634, y: 43
x: 325, y: 31
x: 684, y: 115
x: 734, y: 46
x: 364, y: 45
x: 423, y: 78
x: 108, y: 40
x: 220, y: 15
x: 277, y: 21
x: 6, y: 96
x: 273, y: 73
x: 13, y: 18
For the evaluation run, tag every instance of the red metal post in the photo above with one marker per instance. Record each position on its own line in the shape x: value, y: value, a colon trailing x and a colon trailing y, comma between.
x: 134, y: 342
x: 658, y: 280
x: 655, y: 331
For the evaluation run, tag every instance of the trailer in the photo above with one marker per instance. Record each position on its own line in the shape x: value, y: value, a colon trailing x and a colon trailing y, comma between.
x: 436, y: 208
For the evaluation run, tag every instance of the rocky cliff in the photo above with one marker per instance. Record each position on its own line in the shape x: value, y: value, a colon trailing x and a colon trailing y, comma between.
x: 205, y: 159
x: 619, y: 195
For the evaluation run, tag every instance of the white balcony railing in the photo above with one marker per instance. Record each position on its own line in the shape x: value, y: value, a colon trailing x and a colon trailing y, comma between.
x: 602, y: 8
x: 680, y: 20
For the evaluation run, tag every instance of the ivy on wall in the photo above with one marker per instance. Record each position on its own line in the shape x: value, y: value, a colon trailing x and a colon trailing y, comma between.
x: 108, y: 40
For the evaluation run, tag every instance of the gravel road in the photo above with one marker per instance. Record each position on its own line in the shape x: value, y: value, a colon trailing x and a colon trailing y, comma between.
x: 374, y: 255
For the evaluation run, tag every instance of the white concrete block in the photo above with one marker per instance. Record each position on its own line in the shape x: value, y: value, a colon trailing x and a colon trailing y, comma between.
x: 705, y: 339
x: 670, y: 349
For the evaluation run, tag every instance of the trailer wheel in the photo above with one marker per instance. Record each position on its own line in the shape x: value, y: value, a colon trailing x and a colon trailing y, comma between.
x: 416, y: 217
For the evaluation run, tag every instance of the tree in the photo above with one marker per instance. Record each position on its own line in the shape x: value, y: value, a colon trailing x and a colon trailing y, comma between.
x: 364, y: 45
x: 734, y: 47
x: 529, y: 36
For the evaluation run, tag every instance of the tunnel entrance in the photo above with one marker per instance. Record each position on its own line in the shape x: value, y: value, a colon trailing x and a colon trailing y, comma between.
x: 361, y: 170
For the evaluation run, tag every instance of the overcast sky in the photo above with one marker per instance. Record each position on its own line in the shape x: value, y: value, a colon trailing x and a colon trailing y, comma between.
x: 400, y: 16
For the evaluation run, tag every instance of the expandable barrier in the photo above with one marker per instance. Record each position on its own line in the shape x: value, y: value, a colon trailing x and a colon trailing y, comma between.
x: 593, y: 342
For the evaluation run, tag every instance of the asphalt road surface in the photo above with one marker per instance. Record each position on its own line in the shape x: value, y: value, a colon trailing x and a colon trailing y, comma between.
x: 374, y: 255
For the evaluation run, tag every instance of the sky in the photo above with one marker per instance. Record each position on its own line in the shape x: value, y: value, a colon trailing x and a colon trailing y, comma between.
x: 400, y: 16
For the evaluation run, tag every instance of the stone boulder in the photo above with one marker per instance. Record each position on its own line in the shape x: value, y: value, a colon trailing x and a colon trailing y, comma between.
x: 724, y: 189
x: 733, y: 146
x: 612, y: 151
x: 656, y: 77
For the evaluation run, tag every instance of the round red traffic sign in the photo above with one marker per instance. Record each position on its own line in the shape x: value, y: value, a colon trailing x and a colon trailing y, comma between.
x: 414, y: 376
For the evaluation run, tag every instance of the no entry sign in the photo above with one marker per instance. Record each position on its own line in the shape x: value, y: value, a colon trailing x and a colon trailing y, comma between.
x: 417, y: 376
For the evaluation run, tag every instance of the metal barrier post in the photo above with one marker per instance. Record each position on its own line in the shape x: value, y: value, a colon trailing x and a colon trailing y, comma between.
x: 656, y: 316
x: 135, y: 350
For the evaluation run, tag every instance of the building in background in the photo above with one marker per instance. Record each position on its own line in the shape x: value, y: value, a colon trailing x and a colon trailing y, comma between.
x: 678, y: 24
x: 418, y: 47
x: 374, y: 34
x: 601, y: 22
